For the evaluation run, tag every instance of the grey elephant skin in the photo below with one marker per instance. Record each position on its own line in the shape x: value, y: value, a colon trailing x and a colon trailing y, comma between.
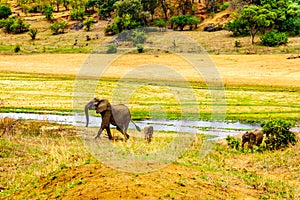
x: 148, y: 131
x: 117, y: 115
x: 253, y: 138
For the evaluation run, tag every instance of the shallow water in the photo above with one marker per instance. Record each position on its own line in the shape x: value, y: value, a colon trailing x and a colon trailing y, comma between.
x: 218, y: 129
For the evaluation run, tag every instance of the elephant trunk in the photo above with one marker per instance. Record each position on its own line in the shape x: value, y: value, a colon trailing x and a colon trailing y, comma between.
x: 88, y: 106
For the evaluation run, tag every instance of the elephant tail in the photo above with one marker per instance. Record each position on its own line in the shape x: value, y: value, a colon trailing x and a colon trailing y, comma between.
x: 136, y: 126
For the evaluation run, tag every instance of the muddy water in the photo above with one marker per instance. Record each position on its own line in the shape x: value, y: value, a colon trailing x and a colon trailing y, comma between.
x: 218, y: 129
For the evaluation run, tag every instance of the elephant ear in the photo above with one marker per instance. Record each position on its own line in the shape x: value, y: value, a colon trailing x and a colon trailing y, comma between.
x: 102, y: 106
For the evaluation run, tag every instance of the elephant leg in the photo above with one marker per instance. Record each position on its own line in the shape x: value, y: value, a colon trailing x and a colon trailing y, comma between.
x: 99, y: 133
x: 109, y: 133
x: 123, y: 131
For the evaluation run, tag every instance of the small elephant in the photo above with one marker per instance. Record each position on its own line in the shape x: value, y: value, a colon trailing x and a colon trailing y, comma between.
x: 253, y: 138
x: 148, y: 130
x: 117, y: 115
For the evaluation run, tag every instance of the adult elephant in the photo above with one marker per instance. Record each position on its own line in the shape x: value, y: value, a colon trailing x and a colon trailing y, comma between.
x: 117, y: 115
x: 253, y: 138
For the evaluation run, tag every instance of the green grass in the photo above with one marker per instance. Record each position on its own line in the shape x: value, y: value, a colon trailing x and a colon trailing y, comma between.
x: 41, y: 93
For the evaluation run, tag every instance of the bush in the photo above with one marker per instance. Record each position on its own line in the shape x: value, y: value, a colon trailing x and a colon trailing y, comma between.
x: 5, y: 12
x: 159, y: 23
x: 88, y: 23
x: 138, y: 37
x: 19, y: 26
x: 77, y: 14
x: 17, y: 49
x: 274, y: 38
x: 6, y: 24
x: 48, y: 12
x: 58, y: 27
x: 32, y: 33
x: 237, y: 43
x: 233, y: 142
x: 111, y: 49
x: 140, y: 48
x: 278, y: 134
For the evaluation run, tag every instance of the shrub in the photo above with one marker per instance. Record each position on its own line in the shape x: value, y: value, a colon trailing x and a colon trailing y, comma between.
x: 232, y: 142
x: 140, y: 48
x: 88, y: 23
x: 5, y: 12
x: 193, y: 22
x: 48, y: 12
x: 6, y: 24
x: 237, y: 43
x: 32, y: 33
x: 19, y: 26
x: 58, y: 27
x: 77, y: 14
x: 278, y: 134
x: 17, y: 49
x: 138, y: 37
x: 224, y: 6
x: 274, y: 38
x: 159, y: 23
x: 111, y: 49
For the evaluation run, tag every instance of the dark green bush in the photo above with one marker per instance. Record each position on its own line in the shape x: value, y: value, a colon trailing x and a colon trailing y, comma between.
x: 6, y: 24
x: 48, y: 12
x: 140, y: 48
x: 5, y: 12
x: 274, y: 38
x: 112, y: 48
x: 17, y: 49
x: 278, y: 134
x: 159, y: 23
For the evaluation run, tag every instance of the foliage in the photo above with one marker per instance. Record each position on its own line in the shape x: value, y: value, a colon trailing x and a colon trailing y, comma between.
x: 5, y: 12
x: 17, y: 48
x: 140, y: 48
x: 180, y: 21
x: 257, y: 18
x: 106, y: 8
x: 160, y: 23
x: 120, y: 24
x: 13, y: 25
x: 6, y: 24
x: 274, y: 38
x: 138, y: 37
x: 232, y: 142
x: 237, y: 28
x: 77, y: 14
x: 237, y: 43
x: 224, y: 6
x: 58, y: 27
x: 48, y: 12
x: 278, y: 134
x: 88, y: 23
x: 32, y: 33
x: 112, y: 48
x: 129, y: 7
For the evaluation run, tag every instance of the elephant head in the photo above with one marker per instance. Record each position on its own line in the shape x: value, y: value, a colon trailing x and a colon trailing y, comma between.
x: 100, y: 105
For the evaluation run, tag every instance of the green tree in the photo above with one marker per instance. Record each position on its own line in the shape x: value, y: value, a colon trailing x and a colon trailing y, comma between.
x: 5, y: 11
x: 274, y: 38
x: 131, y: 7
x: 106, y: 8
x: 257, y: 18
x: 48, y: 12
x: 150, y: 6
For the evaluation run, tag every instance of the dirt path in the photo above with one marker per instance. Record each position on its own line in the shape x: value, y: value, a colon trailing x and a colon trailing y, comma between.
x: 269, y: 70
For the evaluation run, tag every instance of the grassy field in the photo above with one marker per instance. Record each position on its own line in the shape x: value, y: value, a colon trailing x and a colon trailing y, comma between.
x: 48, y: 161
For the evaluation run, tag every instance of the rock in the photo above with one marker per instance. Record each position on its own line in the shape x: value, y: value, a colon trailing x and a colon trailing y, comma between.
x: 78, y: 26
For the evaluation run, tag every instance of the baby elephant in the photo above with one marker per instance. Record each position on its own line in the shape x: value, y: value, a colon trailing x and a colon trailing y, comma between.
x: 253, y: 138
x: 148, y: 130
